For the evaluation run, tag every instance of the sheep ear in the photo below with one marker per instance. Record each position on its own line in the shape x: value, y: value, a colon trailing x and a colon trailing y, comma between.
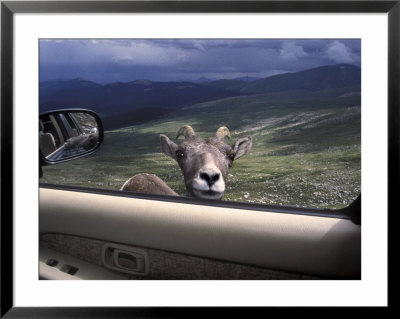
x: 242, y: 146
x: 168, y: 147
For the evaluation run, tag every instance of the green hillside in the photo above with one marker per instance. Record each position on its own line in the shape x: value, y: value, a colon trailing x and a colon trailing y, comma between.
x: 306, y: 150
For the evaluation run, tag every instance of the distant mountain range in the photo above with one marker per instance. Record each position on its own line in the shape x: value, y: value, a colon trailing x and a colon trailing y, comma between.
x: 134, y: 99
x: 48, y: 87
x: 242, y: 78
x: 122, y: 104
x: 321, y: 78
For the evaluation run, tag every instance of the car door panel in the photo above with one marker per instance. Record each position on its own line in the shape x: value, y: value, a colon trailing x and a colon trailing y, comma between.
x: 86, y: 254
x: 316, y: 246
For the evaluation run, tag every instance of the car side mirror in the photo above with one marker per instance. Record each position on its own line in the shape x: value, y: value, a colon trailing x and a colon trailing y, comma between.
x: 65, y: 135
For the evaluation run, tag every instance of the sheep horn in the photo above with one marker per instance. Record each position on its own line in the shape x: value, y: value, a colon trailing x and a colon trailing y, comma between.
x: 186, y: 131
x: 222, y: 132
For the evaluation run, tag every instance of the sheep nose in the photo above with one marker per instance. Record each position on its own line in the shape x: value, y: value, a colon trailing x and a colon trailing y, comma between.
x: 210, y: 178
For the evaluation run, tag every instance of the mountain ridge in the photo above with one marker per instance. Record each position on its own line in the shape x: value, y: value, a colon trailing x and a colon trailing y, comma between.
x: 141, y: 99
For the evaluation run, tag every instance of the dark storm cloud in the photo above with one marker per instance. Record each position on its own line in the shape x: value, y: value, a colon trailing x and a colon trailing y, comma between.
x: 107, y: 61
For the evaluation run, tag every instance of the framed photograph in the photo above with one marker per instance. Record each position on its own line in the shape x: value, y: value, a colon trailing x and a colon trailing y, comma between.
x: 196, y: 154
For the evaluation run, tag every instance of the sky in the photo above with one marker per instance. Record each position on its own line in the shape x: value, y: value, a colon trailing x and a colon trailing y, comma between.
x: 123, y: 60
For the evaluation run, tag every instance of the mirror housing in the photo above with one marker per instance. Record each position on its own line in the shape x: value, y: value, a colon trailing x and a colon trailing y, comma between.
x: 68, y: 134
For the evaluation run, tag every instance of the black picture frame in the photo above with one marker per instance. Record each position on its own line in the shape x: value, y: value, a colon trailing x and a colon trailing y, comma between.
x: 9, y: 8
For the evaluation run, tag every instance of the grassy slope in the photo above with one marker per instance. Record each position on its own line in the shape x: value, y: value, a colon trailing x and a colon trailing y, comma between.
x: 306, y: 151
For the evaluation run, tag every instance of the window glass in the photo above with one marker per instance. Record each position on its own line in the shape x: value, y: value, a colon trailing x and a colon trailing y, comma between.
x: 274, y: 122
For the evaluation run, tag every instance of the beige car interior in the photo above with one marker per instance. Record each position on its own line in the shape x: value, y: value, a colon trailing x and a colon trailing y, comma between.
x: 86, y: 235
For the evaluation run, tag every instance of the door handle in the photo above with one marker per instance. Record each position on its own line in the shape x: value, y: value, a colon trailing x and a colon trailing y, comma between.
x: 128, y: 260
x: 125, y: 259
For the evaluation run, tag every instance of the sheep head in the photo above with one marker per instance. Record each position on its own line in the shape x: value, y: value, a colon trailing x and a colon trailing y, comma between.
x: 205, y: 162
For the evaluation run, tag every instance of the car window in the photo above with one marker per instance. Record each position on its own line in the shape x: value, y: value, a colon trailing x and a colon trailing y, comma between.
x: 275, y: 122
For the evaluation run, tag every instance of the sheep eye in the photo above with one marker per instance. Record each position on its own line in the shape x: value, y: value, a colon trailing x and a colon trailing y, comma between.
x: 179, y: 154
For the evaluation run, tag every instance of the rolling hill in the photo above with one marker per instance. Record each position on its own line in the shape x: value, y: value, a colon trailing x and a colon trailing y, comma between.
x: 306, y: 150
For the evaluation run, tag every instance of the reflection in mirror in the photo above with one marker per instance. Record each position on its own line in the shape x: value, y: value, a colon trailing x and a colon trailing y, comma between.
x: 64, y: 135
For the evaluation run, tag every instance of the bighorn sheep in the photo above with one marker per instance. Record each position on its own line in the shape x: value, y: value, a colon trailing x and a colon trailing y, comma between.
x: 204, y: 163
